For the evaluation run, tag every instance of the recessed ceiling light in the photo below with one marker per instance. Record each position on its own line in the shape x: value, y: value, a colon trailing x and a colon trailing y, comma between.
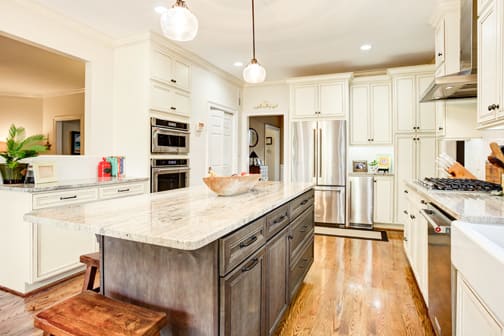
x: 160, y: 9
x: 366, y: 47
x: 238, y: 64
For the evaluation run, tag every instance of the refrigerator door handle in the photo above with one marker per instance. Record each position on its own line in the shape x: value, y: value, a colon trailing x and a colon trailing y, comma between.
x: 320, y: 152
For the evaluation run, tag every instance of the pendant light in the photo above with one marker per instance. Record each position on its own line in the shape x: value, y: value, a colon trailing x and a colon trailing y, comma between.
x: 178, y: 23
x: 254, y: 72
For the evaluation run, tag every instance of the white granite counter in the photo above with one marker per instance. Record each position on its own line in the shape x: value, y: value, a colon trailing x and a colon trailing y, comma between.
x: 469, y: 206
x: 186, y: 219
x: 71, y: 184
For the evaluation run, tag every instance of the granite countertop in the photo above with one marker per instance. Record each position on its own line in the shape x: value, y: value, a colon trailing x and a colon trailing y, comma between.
x: 186, y: 219
x: 469, y: 206
x: 371, y: 174
x: 71, y: 184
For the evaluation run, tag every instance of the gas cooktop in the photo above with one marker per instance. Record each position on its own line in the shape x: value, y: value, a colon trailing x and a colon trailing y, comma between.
x: 451, y: 184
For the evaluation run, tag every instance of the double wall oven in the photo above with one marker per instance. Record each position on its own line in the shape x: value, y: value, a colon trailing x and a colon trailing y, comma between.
x: 169, y: 138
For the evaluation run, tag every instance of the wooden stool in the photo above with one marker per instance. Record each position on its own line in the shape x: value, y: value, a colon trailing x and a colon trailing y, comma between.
x: 92, y: 262
x: 92, y: 314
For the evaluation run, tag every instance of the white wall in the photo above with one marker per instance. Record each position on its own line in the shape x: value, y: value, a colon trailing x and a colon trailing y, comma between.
x: 26, y: 20
x: 21, y: 111
x: 368, y: 153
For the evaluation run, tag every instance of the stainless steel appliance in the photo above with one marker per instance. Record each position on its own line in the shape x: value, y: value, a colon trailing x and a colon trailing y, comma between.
x: 169, y: 137
x: 361, y: 202
x: 168, y: 174
x: 319, y: 156
x: 464, y: 83
x: 441, y: 277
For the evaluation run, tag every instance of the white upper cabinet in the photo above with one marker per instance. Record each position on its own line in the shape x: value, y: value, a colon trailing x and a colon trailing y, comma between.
x: 170, y: 70
x: 320, y: 96
x: 371, y: 111
x: 409, y: 84
x: 489, y: 63
x: 440, y: 44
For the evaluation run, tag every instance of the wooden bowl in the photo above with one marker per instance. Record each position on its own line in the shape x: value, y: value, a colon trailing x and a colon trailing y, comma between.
x: 231, y: 185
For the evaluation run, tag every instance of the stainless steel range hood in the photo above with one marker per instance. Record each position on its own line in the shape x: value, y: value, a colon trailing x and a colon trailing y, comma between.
x: 464, y: 83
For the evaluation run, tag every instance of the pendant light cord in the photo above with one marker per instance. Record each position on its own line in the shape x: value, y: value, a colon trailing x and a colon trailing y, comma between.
x: 253, y: 31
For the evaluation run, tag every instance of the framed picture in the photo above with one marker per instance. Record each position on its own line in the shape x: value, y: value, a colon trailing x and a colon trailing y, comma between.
x: 76, y: 142
x: 269, y: 141
x: 359, y: 166
x: 44, y: 172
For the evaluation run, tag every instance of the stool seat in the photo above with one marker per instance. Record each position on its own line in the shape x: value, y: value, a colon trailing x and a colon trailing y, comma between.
x: 92, y: 262
x: 92, y: 314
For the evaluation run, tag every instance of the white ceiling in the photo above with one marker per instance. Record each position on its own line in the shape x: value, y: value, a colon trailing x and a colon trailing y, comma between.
x: 27, y: 70
x: 294, y: 37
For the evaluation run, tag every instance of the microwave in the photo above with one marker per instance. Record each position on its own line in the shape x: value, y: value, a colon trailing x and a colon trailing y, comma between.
x: 170, y: 137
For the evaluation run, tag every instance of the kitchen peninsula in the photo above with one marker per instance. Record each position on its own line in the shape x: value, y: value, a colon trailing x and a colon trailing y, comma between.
x: 216, y: 265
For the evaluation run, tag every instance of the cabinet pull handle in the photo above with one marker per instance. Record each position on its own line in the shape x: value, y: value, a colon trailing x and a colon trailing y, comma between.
x: 440, y: 128
x: 248, y: 242
x: 279, y: 220
x: 304, y: 202
x: 305, y: 227
x: 405, y: 212
x: 290, y: 237
x: 412, y: 217
x: 123, y: 190
x: 250, y: 265
x: 173, y: 108
x: 173, y: 81
x: 68, y: 198
x: 405, y: 191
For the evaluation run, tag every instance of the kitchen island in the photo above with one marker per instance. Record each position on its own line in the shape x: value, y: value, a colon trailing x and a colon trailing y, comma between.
x: 216, y: 265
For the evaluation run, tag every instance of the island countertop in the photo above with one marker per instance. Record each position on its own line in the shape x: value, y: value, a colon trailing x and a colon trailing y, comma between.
x: 185, y: 219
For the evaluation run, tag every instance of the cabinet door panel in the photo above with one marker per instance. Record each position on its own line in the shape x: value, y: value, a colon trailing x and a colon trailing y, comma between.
x: 440, y: 43
x: 426, y: 112
x: 405, y: 171
x: 182, y: 75
x: 426, y: 160
x: 243, y: 298
x: 182, y: 102
x: 381, y: 114
x: 488, y: 57
x: 305, y: 100
x: 405, y: 104
x: 161, y: 66
x: 162, y: 98
x: 332, y: 100
x: 384, y: 199
x: 360, y: 115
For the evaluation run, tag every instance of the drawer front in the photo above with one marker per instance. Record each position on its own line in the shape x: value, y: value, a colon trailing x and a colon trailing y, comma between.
x: 299, y: 268
x: 122, y: 190
x: 239, y: 245
x: 300, y: 204
x: 301, y: 229
x: 54, y: 199
x: 277, y: 220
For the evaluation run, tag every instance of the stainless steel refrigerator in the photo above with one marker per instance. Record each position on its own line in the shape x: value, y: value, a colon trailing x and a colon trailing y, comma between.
x: 319, y: 156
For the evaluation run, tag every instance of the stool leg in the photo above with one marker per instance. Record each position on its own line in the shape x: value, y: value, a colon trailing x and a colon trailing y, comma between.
x: 89, y: 278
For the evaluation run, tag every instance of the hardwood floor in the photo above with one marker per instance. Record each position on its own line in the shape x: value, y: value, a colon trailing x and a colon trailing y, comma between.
x: 355, y: 287
x: 358, y: 287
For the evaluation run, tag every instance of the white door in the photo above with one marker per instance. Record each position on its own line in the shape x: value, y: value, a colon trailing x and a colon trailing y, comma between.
x: 405, y: 104
x: 426, y: 159
x: 381, y: 114
x: 383, y: 199
x: 426, y: 112
x: 405, y: 158
x: 220, y: 142
x: 305, y: 100
x: 332, y: 101
x: 272, y: 151
x: 359, y: 115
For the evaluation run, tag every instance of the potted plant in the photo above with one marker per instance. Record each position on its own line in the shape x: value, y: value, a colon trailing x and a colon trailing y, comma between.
x: 19, y: 147
x: 373, y: 167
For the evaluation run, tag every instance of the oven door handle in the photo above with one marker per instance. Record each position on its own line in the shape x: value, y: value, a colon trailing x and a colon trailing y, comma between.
x: 437, y: 228
x: 168, y: 131
x: 170, y: 170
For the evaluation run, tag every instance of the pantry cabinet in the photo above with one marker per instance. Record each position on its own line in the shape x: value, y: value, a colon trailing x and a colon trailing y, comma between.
x: 320, y: 96
x: 170, y: 69
x: 490, y: 63
x: 446, y: 23
x: 410, y: 115
x: 383, y: 199
x: 371, y: 111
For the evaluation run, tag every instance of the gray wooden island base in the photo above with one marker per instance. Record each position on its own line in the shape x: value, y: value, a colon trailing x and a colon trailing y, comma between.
x: 240, y: 284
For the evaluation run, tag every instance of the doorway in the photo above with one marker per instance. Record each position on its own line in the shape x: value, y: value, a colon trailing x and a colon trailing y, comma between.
x: 269, y: 146
x: 68, y: 136
x: 221, y: 141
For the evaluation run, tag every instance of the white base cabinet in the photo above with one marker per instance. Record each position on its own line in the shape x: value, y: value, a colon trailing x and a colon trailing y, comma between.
x: 472, y: 317
x: 383, y: 199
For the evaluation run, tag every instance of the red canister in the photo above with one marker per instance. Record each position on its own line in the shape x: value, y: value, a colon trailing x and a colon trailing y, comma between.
x: 104, y: 168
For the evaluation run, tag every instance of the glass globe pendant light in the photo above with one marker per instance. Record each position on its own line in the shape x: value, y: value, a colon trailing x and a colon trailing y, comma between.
x: 178, y: 23
x: 254, y: 73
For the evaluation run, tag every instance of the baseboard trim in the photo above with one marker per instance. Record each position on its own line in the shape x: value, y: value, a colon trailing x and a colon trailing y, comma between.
x: 41, y: 289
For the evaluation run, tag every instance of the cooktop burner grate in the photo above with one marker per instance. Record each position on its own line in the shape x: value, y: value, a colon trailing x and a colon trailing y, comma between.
x: 460, y: 184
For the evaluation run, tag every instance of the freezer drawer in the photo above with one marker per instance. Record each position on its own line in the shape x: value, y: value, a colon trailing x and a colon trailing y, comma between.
x: 330, y: 205
x: 361, y: 201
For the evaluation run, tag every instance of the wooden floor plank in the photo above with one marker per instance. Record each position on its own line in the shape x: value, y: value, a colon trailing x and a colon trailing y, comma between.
x: 355, y: 287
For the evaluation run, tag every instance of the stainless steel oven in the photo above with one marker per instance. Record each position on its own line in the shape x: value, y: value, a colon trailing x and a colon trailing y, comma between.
x: 169, y: 174
x: 441, y: 275
x: 169, y: 137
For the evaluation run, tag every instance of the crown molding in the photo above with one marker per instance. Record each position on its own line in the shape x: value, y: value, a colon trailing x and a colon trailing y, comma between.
x: 267, y: 83
x: 411, y: 69
x: 337, y: 76
x: 42, y: 95
x: 443, y: 8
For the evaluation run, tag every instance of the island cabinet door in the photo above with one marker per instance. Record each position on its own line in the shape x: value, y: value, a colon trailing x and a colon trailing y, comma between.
x: 242, y: 304
x: 277, y: 274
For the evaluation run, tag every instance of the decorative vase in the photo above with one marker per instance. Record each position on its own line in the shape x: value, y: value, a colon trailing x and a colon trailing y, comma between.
x: 13, y: 175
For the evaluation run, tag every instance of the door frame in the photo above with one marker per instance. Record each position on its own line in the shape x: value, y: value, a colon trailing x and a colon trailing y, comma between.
x: 273, y: 127
x: 234, y: 150
x: 70, y: 117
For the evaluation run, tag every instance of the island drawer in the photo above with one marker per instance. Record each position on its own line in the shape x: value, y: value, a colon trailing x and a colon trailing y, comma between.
x: 300, y: 230
x: 300, y: 267
x: 277, y: 220
x: 47, y: 200
x: 300, y: 204
x: 239, y: 245
x: 121, y: 190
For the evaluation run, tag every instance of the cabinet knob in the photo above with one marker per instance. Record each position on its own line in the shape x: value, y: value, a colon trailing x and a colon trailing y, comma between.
x: 497, y: 106
x: 440, y: 128
x: 440, y: 54
x: 489, y: 107
x: 405, y: 239
x: 412, y: 217
x: 405, y: 191
x: 405, y: 212
x: 173, y: 81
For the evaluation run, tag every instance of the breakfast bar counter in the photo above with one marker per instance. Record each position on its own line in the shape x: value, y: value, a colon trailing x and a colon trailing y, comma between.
x: 215, y: 265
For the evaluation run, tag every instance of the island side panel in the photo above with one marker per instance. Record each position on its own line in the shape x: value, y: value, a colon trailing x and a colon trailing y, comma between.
x: 184, y: 284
